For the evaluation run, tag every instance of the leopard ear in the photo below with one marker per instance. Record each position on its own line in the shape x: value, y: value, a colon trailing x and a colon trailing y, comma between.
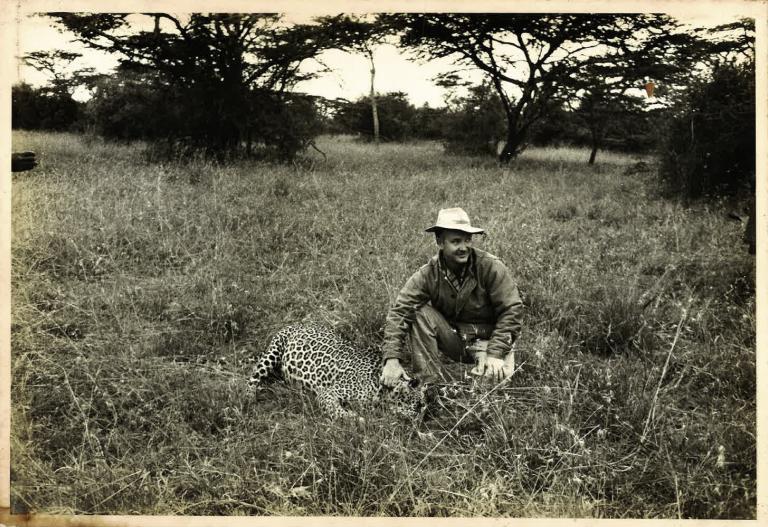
x: 414, y: 383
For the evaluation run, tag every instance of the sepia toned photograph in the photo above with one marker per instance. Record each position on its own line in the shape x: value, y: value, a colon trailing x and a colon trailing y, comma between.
x: 384, y: 264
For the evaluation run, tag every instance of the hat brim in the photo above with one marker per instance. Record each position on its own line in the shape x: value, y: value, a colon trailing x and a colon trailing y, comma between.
x: 455, y: 227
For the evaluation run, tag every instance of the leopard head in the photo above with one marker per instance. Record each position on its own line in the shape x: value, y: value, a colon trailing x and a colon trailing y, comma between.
x: 408, y: 398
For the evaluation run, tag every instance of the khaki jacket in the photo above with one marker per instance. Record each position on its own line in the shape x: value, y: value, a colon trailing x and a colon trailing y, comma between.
x: 487, y: 296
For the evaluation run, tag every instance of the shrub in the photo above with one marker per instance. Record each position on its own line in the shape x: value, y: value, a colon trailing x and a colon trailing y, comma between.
x: 181, y: 121
x: 477, y: 124
x: 710, y: 146
x: 40, y: 109
x: 397, y: 117
x: 126, y: 107
x: 284, y: 125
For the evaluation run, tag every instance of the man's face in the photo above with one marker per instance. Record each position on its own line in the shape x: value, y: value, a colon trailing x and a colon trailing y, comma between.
x: 455, y: 246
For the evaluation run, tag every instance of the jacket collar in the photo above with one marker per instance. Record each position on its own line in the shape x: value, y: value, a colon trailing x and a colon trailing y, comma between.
x: 468, y: 271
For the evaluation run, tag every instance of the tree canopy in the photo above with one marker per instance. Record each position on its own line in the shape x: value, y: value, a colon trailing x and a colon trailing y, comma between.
x: 61, y: 81
x: 533, y: 59
x: 227, y: 75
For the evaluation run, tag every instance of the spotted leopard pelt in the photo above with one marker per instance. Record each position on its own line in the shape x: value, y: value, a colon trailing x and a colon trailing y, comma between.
x: 339, y: 373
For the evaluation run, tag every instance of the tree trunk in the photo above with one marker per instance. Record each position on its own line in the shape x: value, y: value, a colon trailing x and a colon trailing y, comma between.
x: 596, y: 126
x: 374, y: 109
x: 511, y: 146
x: 597, y: 132
x: 593, y: 154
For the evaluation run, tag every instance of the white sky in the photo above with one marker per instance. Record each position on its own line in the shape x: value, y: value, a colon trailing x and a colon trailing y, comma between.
x: 349, y: 78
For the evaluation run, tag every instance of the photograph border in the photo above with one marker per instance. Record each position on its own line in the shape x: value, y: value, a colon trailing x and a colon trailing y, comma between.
x: 9, y: 26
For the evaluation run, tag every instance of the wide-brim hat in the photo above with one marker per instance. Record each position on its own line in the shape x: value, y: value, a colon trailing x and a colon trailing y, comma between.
x: 456, y: 220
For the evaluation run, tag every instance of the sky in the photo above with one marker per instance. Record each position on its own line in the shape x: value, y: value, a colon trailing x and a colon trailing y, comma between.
x: 348, y: 79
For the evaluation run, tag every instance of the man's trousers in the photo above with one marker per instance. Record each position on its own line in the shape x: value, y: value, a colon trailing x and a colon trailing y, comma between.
x: 437, y: 351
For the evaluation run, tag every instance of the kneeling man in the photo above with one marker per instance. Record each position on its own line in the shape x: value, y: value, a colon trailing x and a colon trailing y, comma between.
x: 461, y: 307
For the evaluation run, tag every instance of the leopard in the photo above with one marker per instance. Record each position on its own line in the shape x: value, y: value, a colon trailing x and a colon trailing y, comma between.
x: 340, y: 374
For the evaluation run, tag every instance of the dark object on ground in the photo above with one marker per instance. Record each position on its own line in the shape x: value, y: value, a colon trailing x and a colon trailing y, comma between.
x: 22, y: 161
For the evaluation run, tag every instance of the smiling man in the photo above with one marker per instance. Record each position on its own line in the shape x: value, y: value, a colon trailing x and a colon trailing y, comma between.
x: 461, y: 307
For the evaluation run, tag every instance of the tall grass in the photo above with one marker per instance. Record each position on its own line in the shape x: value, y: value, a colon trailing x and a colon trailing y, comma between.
x: 142, y: 292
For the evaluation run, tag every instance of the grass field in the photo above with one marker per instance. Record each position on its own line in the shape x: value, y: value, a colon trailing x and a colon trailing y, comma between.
x: 141, y: 292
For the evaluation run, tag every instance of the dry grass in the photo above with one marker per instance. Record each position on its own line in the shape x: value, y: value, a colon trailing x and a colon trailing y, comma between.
x: 142, y: 291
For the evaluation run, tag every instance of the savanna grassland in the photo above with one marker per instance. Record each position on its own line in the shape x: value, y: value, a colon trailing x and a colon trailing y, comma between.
x: 142, y: 291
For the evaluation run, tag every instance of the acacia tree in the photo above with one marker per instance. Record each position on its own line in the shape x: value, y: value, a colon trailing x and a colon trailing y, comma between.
x: 226, y: 77
x: 598, y: 105
x: 733, y: 42
x: 61, y: 82
x: 611, y: 86
x: 531, y: 60
x: 361, y: 35
x: 52, y: 106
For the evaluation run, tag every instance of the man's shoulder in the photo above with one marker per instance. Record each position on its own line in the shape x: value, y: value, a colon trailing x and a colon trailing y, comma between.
x: 486, y: 257
x: 488, y: 265
x: 428, y: 268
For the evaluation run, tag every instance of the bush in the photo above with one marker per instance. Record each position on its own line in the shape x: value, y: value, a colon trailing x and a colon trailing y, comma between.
x: 625, y: 130
x: 558, y: 126
x: 430, y: 122
x: 285, y: 125
x: 126, y: 107
x: 477, y: 124
x: 41, y: 109
x: 397, y: 117
x: 709, y: 149
x: 262, y: 123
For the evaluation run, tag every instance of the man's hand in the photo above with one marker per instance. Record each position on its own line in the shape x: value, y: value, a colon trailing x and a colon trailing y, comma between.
x: 492, y: 367
x: 392, y: 372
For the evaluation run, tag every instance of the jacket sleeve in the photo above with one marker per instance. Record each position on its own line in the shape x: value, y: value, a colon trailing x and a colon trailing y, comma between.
x: 412, y: 296
x: 506, y: 302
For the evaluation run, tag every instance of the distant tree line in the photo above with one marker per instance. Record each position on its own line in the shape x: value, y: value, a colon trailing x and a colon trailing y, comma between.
x: 474, y: 124
x: 125, y: 107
